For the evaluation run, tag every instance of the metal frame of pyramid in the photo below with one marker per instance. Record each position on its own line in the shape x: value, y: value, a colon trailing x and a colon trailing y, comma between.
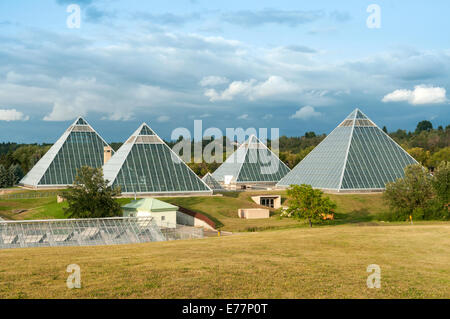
x: 357, y: 156
x: 145, y: 164
x: 256, y: 172
x: 45, y: 174
x: 211, y: 182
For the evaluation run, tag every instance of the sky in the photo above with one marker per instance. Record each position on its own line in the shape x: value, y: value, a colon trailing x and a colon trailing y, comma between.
x: 294, y: 65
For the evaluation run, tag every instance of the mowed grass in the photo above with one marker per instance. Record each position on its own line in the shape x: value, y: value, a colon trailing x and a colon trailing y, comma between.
x: 221, y: 209
x: 35, y: 208
x: 324, y: 262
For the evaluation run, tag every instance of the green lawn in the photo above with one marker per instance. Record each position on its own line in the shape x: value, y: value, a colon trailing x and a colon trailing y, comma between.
x: 322, y: 262
x: 221, y: 209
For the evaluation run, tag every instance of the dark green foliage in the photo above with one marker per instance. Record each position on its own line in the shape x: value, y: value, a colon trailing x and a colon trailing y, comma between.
x: 424, y: 126
x: 10, y: 176
x: 90, y: 196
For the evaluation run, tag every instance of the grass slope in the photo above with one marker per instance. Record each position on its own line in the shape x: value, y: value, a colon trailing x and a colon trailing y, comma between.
x: 325, y: 262
x: 221, y: 209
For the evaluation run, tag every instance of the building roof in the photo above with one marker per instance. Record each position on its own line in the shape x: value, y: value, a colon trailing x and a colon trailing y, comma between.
x: 149, y: 205
x: 252, y: 162
x: 80, y: 145
x: 357, y: 155
x: 145, y: 164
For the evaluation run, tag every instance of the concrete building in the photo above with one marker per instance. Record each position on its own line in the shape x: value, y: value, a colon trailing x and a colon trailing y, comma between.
x: 164, y: 214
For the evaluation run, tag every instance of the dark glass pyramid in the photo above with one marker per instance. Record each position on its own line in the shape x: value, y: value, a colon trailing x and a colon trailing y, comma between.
x: 357, y: 155
x: 144, y: 164
x: 80, y: 145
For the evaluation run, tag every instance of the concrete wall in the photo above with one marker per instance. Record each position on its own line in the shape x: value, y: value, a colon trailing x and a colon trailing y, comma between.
x: 253, y: 213
x: 184, y: 219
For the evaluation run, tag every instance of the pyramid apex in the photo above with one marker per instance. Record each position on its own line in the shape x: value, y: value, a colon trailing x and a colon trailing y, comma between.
x: 80, y: 121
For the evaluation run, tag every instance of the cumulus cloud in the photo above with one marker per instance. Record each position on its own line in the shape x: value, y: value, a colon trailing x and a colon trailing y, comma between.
x: 305, y: 113
x: 213, y: 80
x: 243, y: 117
x: 163, y: 119
x: 253, y: 90
x: 422, y: 94
x: 9, y: 115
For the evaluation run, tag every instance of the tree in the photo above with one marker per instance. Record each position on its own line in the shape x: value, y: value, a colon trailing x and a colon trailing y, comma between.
x: 440, y: 156
x: 90, y: 196
x: 411, y: 192
x: 385, y: 129
x: 10, y: 176
x: 424, y: 126
x: 421, y: 155
x: 307, y: 203
x: 441, y: 183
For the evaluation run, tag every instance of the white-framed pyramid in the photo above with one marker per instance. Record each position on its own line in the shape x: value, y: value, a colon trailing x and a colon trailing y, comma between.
x: 356, y: 156
x: 80, y: 145
x: 252, y: 163
x: 211, y: 182
x: 144, y: 164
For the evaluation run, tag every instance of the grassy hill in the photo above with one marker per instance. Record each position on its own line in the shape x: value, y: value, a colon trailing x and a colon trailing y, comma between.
x: 325, y: 262
x: 221, y: 209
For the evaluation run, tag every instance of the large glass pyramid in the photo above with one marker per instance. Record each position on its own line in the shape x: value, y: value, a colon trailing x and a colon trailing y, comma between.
x: 356, y: 156
x: 80, y: 145
x: 144, y: 164
x: 252, y: 163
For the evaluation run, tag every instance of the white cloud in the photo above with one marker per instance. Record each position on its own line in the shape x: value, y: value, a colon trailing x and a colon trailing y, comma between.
x: 421, y: 94
x: 213, y: 80
x: 305, y: 113
x: 243, y: 117
x: 163, y: 119
x: 253, y: 90
x: 12, y: 115
x: 267, y: 117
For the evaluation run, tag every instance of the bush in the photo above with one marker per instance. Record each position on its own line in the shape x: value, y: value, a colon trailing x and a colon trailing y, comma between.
x: 420, y: 195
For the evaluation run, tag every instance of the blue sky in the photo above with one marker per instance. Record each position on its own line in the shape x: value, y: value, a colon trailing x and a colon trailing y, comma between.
x: 295, y: 65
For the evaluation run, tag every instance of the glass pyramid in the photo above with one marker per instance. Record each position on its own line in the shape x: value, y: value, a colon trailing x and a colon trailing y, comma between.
x: 356, y: 156
x: 80, y: 145
x: 252, y: 162
x: 144, y: 164
x: 211, y: 182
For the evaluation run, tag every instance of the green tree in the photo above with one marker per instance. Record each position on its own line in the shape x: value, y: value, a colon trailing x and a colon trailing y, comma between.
x: 421, y: 155
x: 385, y: 129
x: 90, y: 196
x: 424, y: 126
x: 441, y: 183
x: 411, y: 192
x: 3, y: 176
x: 440, y: 156
x: 308, y: 203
